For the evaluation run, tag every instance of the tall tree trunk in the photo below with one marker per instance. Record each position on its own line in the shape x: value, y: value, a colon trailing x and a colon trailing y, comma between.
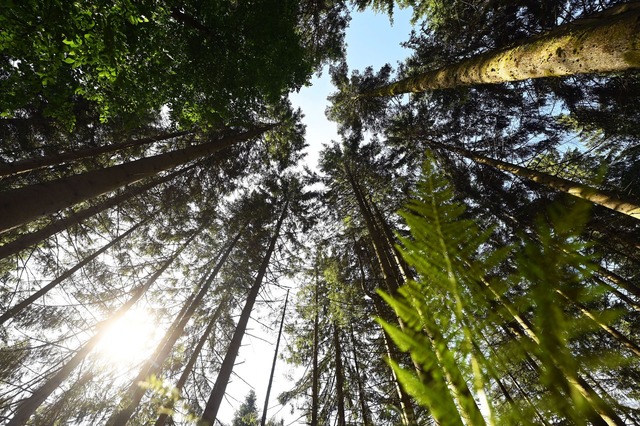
x: 342, y: 420
x: 217, y: 393
x: 614, y: 202
x: 22, y: 205
x: 163, y: 418
x: 607, y: 42
x: 315, y: 385
x: 30, y: 405
x: 15, y: 310
x: 362, y: 398
x: 35, y: 163
x: 26, y: 240
x: 273, y: 365
x: 154, y: 363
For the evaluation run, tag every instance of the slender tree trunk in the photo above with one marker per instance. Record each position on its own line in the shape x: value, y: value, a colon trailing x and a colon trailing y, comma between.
x: 15, y: 310
x: 22, y: 205
x: 162, y: 418
x: 273, y: 365
x: 26, y: 240
x: 362, y: 398
x: 30, y: 405
x: 155, y: 362
x: 217, y: 393
x: 617, y: 203
x: 35, y: 163
x: 342, y: 421
x: 315, y: 388
x: 607, y: 42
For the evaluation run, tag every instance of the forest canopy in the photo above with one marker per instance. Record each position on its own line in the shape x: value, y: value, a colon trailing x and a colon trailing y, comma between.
x: 466, y: 253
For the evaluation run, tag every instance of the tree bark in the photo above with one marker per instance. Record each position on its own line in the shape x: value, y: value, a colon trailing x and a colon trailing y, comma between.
x: 217, y: 393
x: 15, y: 310
x: 30, y: 405
x: 603, y: 43
x: 342, y: 421
x: 273, y: 365
x: 617, y: 203
x: 26, y: 240
x: 154, y: 363
x: 315, y: 386
x: 35, y: 163
x: 22, y: 205
x: 362, y: 399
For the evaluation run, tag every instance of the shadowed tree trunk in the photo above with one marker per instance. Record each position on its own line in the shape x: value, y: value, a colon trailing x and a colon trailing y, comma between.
x: 28, y: 407
x: 15, y: 310
x: 155, y: 362
x: 339, y: 377
x: 617, y: 203
x: 315, y: 386
x: 217, y: 393
x: 606, y: 42
x: 26, y: 240
x: 22, y: 205
x: 273, y: 365
x: 35, y: 163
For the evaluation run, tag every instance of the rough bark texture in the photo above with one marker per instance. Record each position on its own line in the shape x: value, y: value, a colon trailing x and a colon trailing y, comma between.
x: 607, y: 42
x: 20, y: 206
x: 217, y: 393
x: 617, y: 203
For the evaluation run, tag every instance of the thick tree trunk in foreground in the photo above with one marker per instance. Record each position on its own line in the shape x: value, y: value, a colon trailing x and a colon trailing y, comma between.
x: 22, y: 205
x: 217, y: 393
x: 30, y: 405
x: 613, y: 202
x: 154, y: 363
x: 607, y: 42
x: 27, y: 240
x: 66, y: 274
x: 273, y: 365
x: 30, y: 164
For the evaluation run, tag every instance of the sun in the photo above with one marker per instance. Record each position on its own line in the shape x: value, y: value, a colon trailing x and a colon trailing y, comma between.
x: 130, y: 339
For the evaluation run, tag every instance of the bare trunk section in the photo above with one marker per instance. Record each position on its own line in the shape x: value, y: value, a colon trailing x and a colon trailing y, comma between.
x: 607, y: 42
x: 26, y: 240
x: 617, y: 203
x: 15, y: 310
x: 163, y: 418
x: 28, y: 407
x: 315, y: 400
x: 342, y: 421
x: 22, y: 205
x: 362, y: 399
x: 154, y: 363
x: 217, y: 393
x: 35, y: 163
x: 273, y: 365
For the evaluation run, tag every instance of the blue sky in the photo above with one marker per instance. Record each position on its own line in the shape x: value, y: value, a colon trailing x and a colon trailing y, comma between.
x: 371, y: 41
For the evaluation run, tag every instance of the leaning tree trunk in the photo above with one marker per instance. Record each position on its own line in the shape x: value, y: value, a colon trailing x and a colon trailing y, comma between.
x: 273, y: 365
x: 26, y: 240
x: 15, y: 310
x: 217, y: 393
x: 154, y: 363
x: 28, y: 407
x: 606, y: 42
x: 164, y: 417
x: 617, y: 203
x: 35, y: 163
x: 22, y: 205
